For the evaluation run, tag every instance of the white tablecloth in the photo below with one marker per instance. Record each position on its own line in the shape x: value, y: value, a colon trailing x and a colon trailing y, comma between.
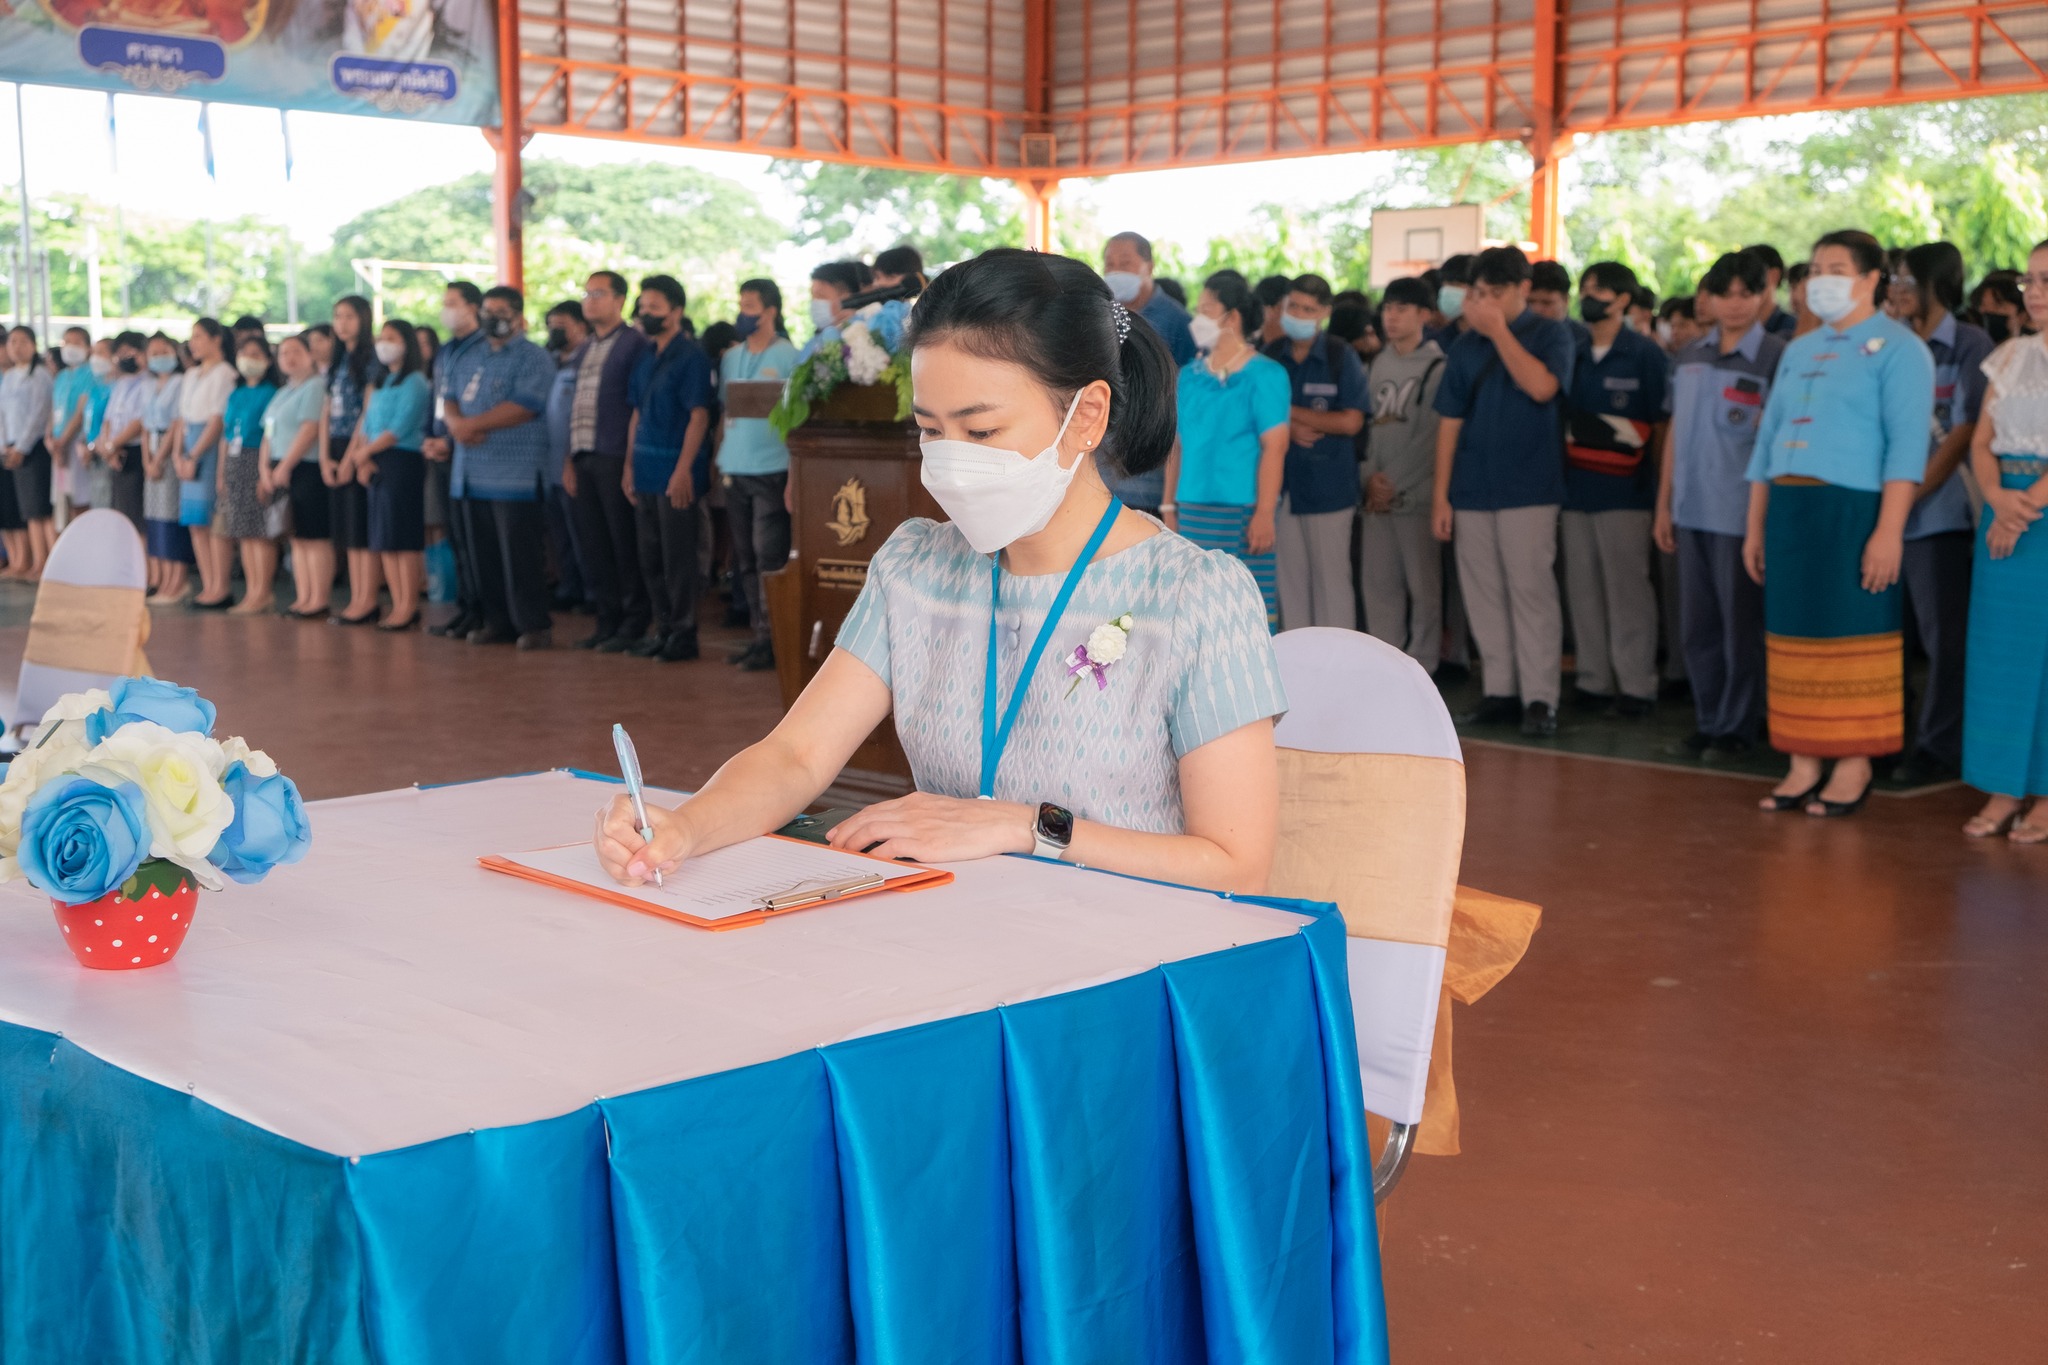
x: 388, y: 991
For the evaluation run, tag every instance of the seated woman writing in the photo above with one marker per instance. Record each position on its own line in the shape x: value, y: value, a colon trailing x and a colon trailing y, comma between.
x: 1109, y: 687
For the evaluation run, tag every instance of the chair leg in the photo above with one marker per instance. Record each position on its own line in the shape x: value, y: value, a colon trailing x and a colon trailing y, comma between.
x: 1393, y: 1160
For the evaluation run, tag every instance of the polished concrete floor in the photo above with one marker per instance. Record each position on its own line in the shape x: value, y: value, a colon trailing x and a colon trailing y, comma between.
x: 1766, y: 1089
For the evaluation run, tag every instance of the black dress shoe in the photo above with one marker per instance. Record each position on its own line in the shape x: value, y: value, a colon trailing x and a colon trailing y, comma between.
x: 456, y: 628
x: 1922, y: 769
x: 645, y: 649
x: 1730, y: 746
x: 597, y: 637
x: 679, y: 648
x: 342, y: 618
x: 745, y: 651
x: 486, y: 635
x: 198, y: 604
x: 1632, y: 708
x: 761, y: 660
x: 1539, y: 721
x: 618, y: 644
x: 1493, y: 711
x: 1594, y: 702
x: 1698, y: 742
x: 535, y: 639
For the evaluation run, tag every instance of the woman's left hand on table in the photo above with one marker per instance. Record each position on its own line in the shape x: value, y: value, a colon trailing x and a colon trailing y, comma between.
x: 937, y: 829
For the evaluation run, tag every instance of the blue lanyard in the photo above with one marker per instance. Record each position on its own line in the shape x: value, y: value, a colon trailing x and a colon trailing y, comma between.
x: 994, y: 737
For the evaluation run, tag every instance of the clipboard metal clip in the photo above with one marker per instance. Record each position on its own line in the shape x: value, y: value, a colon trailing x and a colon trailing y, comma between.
x: 831, y: 891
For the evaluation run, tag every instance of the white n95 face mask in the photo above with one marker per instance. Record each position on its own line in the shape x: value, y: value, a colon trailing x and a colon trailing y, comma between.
x: 1204, y: 331
x: 996, y: 496
x: 1124, y: 285
x: 1831, y: 297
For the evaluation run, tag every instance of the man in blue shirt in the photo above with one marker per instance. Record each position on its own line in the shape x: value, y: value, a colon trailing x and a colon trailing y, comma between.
x: 566, y: 334
x: 461, y: 322
x: 1613, y: 411
x: 496, y: 413
x: 1127, y: 270
x: 1499, y: 484
x: 1319, y: 488
x: 1718, y: 389
x: 670, y: 469
x: 1941, y: 532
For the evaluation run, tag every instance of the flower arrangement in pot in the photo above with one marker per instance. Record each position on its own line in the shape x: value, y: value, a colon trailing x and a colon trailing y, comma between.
x: 124, y: 806
x: 868, y: 351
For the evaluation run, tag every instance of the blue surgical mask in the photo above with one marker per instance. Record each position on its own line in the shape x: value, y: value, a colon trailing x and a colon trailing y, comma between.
x: 1299, y: 329
x: 163, y: 364
x: 745, y: 325
x: 1831, y: 297
x: 821, y: 313
x: 1124, y: 285
x: 1450, y: 301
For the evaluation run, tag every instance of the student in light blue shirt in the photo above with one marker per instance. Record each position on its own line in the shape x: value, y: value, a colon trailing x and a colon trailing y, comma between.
x: 831, y: 285
x: 754, y: 462
x: 1838, y: 461
x: 389, y: 462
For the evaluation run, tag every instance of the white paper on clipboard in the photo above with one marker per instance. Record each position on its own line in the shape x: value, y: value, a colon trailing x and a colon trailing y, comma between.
x: 732, y: 881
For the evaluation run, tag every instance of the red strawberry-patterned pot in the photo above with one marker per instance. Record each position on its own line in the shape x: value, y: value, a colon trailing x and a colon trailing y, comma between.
x: 119, y: 932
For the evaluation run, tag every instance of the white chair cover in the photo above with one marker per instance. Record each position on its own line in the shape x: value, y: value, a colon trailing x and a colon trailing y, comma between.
x: 1351, y: 695
x: 79, y: 638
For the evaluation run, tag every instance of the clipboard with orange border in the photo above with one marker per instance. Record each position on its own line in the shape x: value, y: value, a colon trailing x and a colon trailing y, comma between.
x: 748, y: 883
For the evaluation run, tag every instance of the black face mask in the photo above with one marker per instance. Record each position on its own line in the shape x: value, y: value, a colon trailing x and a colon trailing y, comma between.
x: 652, y: 325
x: 497, y: 328
x: 558, y: 340
x: 1999, y: 326
x: 128, y: 364
x: 1594, y: 310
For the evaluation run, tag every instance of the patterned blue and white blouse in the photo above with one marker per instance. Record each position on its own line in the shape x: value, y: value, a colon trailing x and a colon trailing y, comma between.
x: 1199, y: 665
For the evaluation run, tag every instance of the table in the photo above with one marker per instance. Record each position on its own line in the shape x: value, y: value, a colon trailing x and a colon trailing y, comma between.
x: 390, y: 1107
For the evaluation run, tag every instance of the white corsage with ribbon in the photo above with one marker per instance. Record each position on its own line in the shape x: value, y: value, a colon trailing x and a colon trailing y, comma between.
x: 1873, y: 346
x: 1105, y: 647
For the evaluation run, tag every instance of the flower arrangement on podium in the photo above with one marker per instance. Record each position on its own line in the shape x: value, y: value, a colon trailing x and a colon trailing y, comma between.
x: 868, y: 351
x: 125, y: 806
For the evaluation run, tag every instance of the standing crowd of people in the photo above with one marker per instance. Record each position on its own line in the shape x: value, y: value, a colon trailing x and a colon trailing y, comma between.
x: 1768, y: 506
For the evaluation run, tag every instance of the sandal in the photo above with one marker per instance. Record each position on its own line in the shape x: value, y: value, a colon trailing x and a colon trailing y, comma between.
x: 2026, y: 832
x: 1977, y: 827
x: 1836, y: 810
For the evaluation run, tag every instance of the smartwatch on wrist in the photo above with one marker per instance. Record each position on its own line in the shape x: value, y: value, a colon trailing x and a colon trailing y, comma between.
x: 1052, y: 831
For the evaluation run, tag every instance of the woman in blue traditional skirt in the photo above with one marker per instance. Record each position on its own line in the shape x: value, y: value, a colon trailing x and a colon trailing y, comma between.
x: 2005, y: 698
x: 1837, y: 462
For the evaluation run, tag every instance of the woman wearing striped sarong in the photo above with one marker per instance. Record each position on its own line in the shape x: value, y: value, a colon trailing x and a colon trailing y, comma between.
x: 1223, y: 480
x: 1837, y: 462
x: 2005, y: 691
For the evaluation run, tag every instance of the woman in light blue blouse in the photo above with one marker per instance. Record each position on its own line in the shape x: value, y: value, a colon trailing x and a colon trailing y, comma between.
x: 1107, y: 685
x: 1836, y: 466
x: 1223, y: 481
x: 388, y: 462
x: 169, y: 544
x: 240, y: 514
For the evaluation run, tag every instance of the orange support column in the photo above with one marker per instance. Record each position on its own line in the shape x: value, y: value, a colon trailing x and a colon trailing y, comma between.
x: 508, y: 139
x: 1038, y: 225
x: 1546, y: 223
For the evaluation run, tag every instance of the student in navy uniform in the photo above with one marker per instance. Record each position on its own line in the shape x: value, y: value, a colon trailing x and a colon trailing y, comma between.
x: 1127, y: 270
x: 670, y: 469
x: 1614, y: 409
x: 1500, y: 483
x: 1718, y: 389
x: 1319, y: 490
x: 1926, y: 293
x: 1776, y: 320
x: 496, y: 413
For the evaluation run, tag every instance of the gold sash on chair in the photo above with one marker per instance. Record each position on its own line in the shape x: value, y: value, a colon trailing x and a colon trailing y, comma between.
x: 89, y: 629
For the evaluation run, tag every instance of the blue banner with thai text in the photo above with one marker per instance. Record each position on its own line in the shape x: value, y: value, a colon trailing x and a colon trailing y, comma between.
x: 422, y: 59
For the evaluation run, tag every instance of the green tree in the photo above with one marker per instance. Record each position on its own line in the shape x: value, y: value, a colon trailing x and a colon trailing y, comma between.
x: 867, y: 208
x: 2004, y: 216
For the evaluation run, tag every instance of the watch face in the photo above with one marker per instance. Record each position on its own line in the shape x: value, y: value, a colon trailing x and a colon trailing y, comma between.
x: 1056, y: 823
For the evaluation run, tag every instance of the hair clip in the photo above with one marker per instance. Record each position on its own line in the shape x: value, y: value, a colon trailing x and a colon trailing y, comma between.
x: 1122, y: 318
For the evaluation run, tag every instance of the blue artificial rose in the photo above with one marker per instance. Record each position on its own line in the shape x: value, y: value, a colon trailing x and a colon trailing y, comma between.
x: 169, y: 705
x: 269, y: 827
x: 80, y: 840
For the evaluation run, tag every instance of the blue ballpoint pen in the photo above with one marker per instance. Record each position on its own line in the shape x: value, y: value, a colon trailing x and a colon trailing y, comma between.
x: 629, y: 768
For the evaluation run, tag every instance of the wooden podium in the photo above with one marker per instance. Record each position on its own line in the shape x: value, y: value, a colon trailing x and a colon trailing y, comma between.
x: 853, y: 477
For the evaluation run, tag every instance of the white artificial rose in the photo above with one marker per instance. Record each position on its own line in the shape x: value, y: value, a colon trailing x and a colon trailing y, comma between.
x: 235, y: 749
x: 179, y: 774
x: 27, y: 774
x: 79, y: 705
x: 1106, y: 644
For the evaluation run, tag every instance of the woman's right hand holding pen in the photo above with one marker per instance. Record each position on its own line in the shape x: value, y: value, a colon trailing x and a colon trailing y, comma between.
x: 629, y: 858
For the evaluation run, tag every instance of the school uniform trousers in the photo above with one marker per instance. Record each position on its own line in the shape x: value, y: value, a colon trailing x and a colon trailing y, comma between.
x: 1721, y: 630
x: 1314, y: 551
x: 508, y: 567
x: 667, y: 539
x: 759, y: 520
x: 1613, y: 605
x: 1507, y: 570
x: 605, y: 528
x: 1401, y: 579
x: 1936, y: 573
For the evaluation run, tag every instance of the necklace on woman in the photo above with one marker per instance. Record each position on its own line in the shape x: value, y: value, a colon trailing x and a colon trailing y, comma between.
x: 1230, y: 366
